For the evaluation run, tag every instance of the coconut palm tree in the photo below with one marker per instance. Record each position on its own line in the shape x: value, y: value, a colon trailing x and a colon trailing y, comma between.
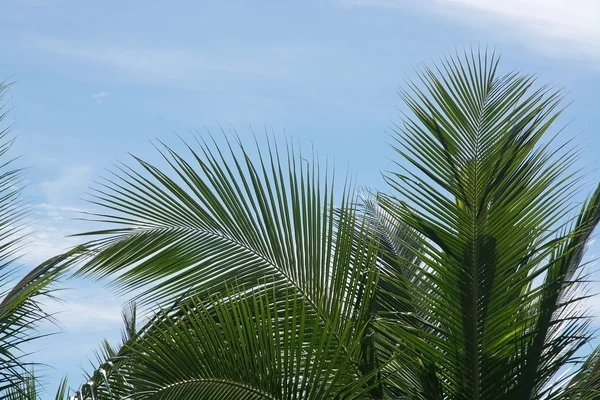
x: 29, y: 389
x: 466, y: 281
x: 20, y: 309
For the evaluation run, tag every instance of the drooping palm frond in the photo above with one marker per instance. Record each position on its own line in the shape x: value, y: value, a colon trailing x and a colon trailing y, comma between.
x: 240, y: 348
x: 27, y: 389
x: 20, y: 313
x: 19, y: 304
x: 13, y: 209
x: 271, y: 223
x: 228, y: 216
x: 492, y: 202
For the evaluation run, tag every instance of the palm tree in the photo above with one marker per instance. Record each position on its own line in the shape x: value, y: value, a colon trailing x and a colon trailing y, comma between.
x: 28, y: 389
x: 466, y: 282
x: 20, y: 309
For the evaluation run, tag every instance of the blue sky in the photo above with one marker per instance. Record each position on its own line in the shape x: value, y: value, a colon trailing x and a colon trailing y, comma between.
x: 95, y: 80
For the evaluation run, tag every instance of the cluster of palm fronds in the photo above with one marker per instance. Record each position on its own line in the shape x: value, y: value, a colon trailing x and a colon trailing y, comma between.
x: 466, y: 282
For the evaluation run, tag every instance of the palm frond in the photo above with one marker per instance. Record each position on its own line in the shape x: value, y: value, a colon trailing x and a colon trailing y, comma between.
x: 561, y: 328
x: 235, y: 346
x: 223, y: 216
x: 28, y: 389
x: 491, y: 201
x: 20, y: 313
x: 19, y: 305
x: 585, y: 384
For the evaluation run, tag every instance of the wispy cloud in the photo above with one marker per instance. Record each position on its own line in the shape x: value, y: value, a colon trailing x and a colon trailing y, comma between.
x: 48, y: 233
x: 54, y: 218
x: 71, y: 179
x: 86, y: 309
x: 99, y: 96
x: 555, y: 27
x: 151, y: 62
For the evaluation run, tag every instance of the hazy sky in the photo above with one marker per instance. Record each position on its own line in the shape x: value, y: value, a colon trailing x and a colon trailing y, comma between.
x: 95, y: 80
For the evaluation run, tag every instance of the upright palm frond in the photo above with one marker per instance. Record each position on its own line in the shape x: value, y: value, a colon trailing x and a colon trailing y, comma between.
x: 492, y: 202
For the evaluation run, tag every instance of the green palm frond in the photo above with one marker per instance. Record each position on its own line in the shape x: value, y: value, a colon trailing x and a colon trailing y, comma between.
x: 20, y: 313
x: 463, y: 284
x: 28, y: 389
x: 561, y: 327
x: 20, y: 310
x: 235, y: 346
x: 397, y: 263
x: 222, y: 216
x: 585, y: 385
x: 224, y: 219
x: 492, y: 201
x: 241, y: 347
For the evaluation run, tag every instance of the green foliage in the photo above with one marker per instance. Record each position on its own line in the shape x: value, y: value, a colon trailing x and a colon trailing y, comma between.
x: 464, y: 283
x: 28, y: 389
x: 20, y: 310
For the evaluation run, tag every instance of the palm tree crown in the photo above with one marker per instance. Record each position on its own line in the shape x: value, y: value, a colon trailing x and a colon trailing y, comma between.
x: 463, y: 283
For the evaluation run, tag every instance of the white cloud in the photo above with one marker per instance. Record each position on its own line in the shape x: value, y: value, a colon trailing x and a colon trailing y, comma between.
x: 555, y: 27
x: 48, y: 232
x: 85, y: 309
x: 53, y: 220
x: 98, y: 96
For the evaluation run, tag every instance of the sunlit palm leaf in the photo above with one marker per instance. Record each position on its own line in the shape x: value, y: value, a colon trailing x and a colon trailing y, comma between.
x: 222, y: 216
x: 585, y: 385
